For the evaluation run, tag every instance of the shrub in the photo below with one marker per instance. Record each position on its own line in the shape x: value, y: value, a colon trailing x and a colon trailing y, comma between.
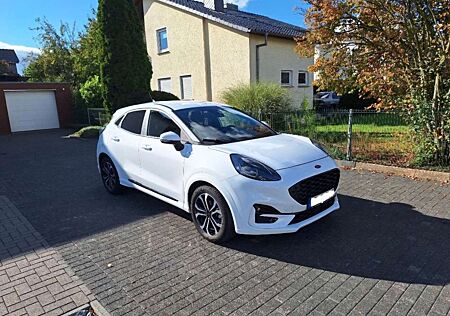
x: 163, y: 96
x: 264, y: 97
x: 91, y: 93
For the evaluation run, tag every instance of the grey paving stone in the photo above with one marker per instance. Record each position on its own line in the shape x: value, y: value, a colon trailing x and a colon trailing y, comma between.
x: 26, y: 283
x: 383, y: 252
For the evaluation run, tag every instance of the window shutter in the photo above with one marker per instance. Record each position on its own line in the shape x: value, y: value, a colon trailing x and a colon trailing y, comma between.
x: 186, y: 88
x: 165, y: 85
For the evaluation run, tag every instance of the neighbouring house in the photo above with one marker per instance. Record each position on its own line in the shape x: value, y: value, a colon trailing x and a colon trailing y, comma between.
x: 10, y: 60
x: 8, y: 66
x: 199, y: 49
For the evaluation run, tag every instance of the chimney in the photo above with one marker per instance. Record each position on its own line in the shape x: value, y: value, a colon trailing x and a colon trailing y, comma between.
x: 232, y: 7
x: 216, y: 5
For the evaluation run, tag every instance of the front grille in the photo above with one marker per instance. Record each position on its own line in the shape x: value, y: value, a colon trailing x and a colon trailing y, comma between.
x: 314, y: 186
x: 312, y: 211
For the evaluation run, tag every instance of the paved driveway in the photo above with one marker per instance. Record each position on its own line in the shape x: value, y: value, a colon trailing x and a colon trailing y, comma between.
x: 386, y: 251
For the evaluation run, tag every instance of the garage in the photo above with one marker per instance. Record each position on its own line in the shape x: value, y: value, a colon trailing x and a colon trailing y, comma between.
x: 31, y: 110
x: 34, y: 106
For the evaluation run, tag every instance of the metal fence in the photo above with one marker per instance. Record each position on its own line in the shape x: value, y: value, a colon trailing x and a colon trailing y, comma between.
x: 98, y: 116
x: 361, y: 135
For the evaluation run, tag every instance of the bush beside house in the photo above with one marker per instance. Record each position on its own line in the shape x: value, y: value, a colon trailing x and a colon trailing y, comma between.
x: 259, y: 97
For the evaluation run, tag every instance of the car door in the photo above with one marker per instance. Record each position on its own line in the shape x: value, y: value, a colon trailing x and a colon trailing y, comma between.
x: 161, y: 164
x: 124, y: 143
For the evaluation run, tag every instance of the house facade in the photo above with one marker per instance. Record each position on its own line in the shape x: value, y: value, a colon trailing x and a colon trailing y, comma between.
x: 199, y: 49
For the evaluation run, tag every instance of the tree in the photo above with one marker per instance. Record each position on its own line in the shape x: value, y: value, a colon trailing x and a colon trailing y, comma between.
x: 397, y: 50
x: 87, y: 52
x: 125, y: 66
x: 55, y: 63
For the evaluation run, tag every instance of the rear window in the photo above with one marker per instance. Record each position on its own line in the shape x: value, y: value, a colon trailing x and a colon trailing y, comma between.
x: 133, y: 122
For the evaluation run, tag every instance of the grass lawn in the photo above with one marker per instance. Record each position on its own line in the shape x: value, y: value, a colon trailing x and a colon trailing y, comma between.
x: 376, y: 138
x: 363, y: 128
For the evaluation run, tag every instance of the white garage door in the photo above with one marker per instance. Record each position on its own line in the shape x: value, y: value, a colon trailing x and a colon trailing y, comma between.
x: 31, y: 110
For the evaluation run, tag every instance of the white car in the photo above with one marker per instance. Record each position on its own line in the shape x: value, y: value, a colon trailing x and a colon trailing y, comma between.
x: 233, y: 173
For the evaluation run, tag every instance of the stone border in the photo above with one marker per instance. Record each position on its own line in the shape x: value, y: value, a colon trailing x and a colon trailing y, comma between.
x: 443, y: 177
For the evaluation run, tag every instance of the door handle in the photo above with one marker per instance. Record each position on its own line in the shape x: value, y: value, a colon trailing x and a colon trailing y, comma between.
x: 116, y: 139
x: 147, y: 148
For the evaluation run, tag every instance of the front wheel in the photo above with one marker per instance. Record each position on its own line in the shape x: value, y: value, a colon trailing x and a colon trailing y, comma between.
x: 211, y: 215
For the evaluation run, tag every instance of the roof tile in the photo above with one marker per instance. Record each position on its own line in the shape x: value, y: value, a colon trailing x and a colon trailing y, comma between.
x: 245, y: 21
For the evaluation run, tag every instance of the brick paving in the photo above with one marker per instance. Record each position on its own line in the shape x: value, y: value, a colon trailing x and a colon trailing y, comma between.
x: 386, y: 252
x: 34, y: 278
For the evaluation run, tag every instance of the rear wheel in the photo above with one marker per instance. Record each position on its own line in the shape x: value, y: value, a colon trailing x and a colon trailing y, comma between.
x: 211, y: 215
x: 110, y: 177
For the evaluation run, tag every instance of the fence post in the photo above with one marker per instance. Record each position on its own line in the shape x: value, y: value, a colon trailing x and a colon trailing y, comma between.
x: 260, y: 115
x: 349, y: 135
x: 89, y: 117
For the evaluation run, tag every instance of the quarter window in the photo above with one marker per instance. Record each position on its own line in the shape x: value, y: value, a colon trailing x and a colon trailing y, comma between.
x: 302, y: 78
x: 159, y: 123
x: 133, y: 122
x: 163, y: 43
x: 286, y: 78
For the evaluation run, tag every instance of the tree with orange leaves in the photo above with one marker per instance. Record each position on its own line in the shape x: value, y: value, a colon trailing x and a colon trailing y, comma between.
x: 396, y: 50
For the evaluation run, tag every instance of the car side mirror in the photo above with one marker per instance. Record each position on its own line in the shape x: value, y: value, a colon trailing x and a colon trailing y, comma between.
x: 171, y: 138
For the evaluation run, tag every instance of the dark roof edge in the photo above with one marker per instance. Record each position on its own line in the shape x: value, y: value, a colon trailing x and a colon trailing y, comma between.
x: 231, y: 25
x: 9, y: 55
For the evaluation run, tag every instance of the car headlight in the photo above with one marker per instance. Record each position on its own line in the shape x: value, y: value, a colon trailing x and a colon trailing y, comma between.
x: 320, y: 146
x: 253, y: 169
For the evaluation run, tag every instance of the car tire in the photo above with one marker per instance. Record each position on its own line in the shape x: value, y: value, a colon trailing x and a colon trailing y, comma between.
x: 211, y: 215
x: 110, y: 177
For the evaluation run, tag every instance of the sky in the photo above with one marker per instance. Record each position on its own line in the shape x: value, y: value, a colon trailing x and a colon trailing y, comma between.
x: 17, y: 17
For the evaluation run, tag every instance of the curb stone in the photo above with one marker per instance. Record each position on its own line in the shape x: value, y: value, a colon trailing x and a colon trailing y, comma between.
x: 443, y: 177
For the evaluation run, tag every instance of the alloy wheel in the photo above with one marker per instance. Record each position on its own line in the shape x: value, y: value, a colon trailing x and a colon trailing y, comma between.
x: 109, y: 175
x: 208, y: 214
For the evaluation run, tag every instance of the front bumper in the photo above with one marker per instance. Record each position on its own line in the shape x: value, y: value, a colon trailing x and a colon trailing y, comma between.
x: 243, y: 194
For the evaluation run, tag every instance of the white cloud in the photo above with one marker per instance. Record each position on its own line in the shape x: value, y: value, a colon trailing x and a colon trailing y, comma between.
x: 240, y: 3
x: 22, y: 53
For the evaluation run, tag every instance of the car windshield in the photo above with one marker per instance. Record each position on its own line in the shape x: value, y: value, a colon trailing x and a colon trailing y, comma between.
x: 222, y: 125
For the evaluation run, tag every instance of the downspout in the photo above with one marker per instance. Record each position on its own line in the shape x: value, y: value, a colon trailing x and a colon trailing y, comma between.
x: 266, y: 37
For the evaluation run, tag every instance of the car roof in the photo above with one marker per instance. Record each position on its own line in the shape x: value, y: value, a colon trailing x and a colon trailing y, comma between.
x: 179, y: 105
x: 172, y: 105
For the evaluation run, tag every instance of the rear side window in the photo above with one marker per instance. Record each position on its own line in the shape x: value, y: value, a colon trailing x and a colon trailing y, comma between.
x: 159, y: 123
x: 133, y: 122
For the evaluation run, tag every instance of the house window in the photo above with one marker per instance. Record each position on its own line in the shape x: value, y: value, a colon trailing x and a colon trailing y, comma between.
x: 302, y: 78
x: 186, y: 87
x: 163, y: 44
x: 286, y: 78
x: 165, y: 84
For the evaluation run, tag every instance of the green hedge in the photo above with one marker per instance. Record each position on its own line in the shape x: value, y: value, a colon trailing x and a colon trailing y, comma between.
x: 163, y: 96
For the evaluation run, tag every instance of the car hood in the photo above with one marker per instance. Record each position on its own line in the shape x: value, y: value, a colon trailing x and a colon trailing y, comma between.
x: 278, y: 152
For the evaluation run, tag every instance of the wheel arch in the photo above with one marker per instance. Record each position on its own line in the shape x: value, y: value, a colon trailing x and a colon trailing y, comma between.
x: 101, y: 156
x: 198, y: 183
